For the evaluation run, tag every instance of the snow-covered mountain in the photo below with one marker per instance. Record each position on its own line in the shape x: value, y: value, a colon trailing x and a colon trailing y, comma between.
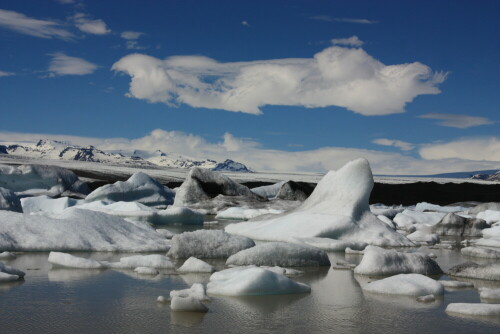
x: 51, y: 149
x: 494, y: 176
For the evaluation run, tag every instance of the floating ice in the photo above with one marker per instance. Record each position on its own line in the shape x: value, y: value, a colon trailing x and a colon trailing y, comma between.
x: 386, y: 211
x: 489, y: 294
x: 207, y: 244
x: 424, y: 237
x: 474, y: 309
x: 387, y: 221
x: 331, y: 245
x: 140, y: 187
x: 58, y: 259
x: 197, y: 290
x: 269, y: 191
x: 383, y: 262
x: 187, y: 304
x: 280, y: 254
x: 238, y: 213
x: 4, y: 277
x: 203, y: 184
x: 490, y: 216
x: 337, y: 209
x: 194, y: 265
x: 77, y: 230
x: 424, y: 206
x: 295, y: 191
x: 456, y: 284
x: 146, y: 271
x: 480, y: 252
x: 9, y: 200
x: 408, y: 218
x: 252, y: 281
x: 46, y: 204
x: 7, y: 256
x: 152, y: 261
x: 177, y: 216
x: 485, y: 206
x: 407, y: 285
x: 473, y: 270
x: 426, y: 299
x: 455, y: 225
x: 41, y: 180
x: 166, y: 233
x: 11, y: 270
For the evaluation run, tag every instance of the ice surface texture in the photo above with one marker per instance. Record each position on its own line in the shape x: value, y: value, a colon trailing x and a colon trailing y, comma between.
x: 194, y: 265
x: 473, y: 270
x: 9, y: 200
x: 406, y: 284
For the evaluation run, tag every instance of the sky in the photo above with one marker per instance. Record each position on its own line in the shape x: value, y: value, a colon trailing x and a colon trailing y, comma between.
x: 278, y: 85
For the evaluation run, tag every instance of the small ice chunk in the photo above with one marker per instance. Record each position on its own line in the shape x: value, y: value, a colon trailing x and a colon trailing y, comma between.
x: 489, y: 294
x: 146, y: 271
x: 330, y: 245
x: 424, y: 206
x: 348, y: 250
x: 283, y: 271
x: 388, y: 221
x: 280, y: 254
x: 240, y: 213
x: 9, y: 200
x: 11, y: 270
x: 7, y: 256
x: 381, y: 262
x: 197, y: 290
x: 474, y: 309
x: 166, y: 233
x: 480, y: 252
x: 424, y: 237
x: 269, y: 191
x: 473, y: 270
x: 152, y: 261
x: 187, y: 304
x: 161, y: 299
x: 194, y: 265
x: 406, y: 284
x: 408, y: 218
x: 426, y: 299
x: 343, y: 265
x: 490, y: 216
x: 46, y: 204
x: 59, y: 259
x: 207, y: 244
x: 456, y: 284
x: 252, y: 281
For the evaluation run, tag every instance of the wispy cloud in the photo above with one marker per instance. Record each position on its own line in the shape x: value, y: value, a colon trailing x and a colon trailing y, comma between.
x: 336, y: 76
x: 61, y: 64
x: 6, y: 74
x: 478, y: 149
x: 342, y: 19
x: 65, y: 2
x: 131, y: 38
x: 351, y: 41
x: 458, y: 121
x: 402, y: 145
x: 23, y: 24
x: 258, y: 158
x: 245, y: 23
x: 130, y: 35
x: 90, y: 26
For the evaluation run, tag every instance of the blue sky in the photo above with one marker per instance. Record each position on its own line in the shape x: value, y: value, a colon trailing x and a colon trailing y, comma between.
x: 411, y: 85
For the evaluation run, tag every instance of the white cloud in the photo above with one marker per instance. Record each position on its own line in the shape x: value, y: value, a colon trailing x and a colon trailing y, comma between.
x: 6, y: 74
x: 134, y: 45
x: 65, y: 2
x: 458, y: 121
x: 342, y: 19
x: 61, y: 64
x: 402, y: 145
x: 245, y: 23
x: 252, y: 154
x: 479, y: 149
x: 351, y: 41
x: 23, y: 24
x: 131, y: 34
x: 336, y: 76
x: 89, y: 26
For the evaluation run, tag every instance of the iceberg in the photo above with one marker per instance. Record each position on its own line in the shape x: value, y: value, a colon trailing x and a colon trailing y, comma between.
x: 269, y: 191
x: 47, y: 204
x: 11, y: 270
x: 77, y: 230
x: 455, y: 225
x: 385, y: 262
x: 187, y: 304
x: 407, y: 285
x: 473, y: 270
x: 36, y: 180
x: 280, y: 254
x: 408, y: 218
x: 490, y: 216
x: 489, y: 294
x: 9, y: 200
x: 140, y: 187
x: 474, y: 309
x: 194, y: 265
x: 456, y: 284
x: 58, y: 259
x: 207, y: 244
x: 337, y: 209
x: 197, y: 290
x: 252, y: 281
x: 480, y: 252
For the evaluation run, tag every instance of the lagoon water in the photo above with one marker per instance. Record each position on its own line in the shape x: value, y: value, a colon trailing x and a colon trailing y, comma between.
x: 110, y: 301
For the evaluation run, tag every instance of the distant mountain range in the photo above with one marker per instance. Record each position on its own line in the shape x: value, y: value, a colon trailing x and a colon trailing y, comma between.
x: 59, y: 150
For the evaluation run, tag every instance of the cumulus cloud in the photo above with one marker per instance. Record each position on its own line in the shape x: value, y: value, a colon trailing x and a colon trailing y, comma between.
x: 23, y: 24
x: 458, y: 121
x: 342, y: 19
x: 89, y: 26
x: 479, y: 149
x: 402, y: 145
x: 61, y: 64
x: 351, y: 41
x: 336, y: 76
x: 6, y: 74
x: 131, y: 35
x: 258, y: 158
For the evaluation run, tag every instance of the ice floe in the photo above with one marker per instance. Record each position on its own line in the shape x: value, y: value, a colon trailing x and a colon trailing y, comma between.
x: 455, y: 225
x: 490, y: 216
x: 7, y: 256
x: 58, y: 259
x: 473, y: 270
x: 456, y: 284
x: 407, y: 285
x: 280, y: 254
x: 146, y: 271
x: 424, y: 206
x: 480, y: 252
x: 330, y: 245
x: 495, y: 206
x: 140, y: 187
x: 9, y: 200
x: 408, y: 218
x: 47, y: 204
x: 8, y: 270
x: 474, y: 309
x: 489, y: 294
x: 269, y: 191
x: 77, y: 230
x: 238, y: 213
x: 152, y: 261
x: 423, y: 236
x: 207, y: 244
x: 194, y: 265
x: 337, y: 209
x: 252, y: 281
x: 384, y: 262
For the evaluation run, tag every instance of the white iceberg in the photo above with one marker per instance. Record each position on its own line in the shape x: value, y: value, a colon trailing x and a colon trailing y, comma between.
x: 473, y: 270
x: 269, y: 191
x: 152, y: 261
x: 4, y: 277
x: 423, y: 236
x: 474, y: 309
x: 140, y: 187
x: 481, y: 252
x: 207, y: 244
x: 187, y: 304
x: 239, y: 213
x: 9, y: 200
x: 280, y: 254
x: 455, y: 225
x: 7, y: 256
x: 489, y: 294
x: 41, y: 180
x: 165, y: 233
x: 490, y: 216
x: 47, y: 204
x: 385, y: 210
x: 385, y: 262
x: 252, y: 281
x: 197, y: 290
x: 406, y: 284
x: 337, y: 209
x: 408, y: 218
x: 494, y: 206
x: 58, y: 259
x: 194, y: 265
x: 77, y: 230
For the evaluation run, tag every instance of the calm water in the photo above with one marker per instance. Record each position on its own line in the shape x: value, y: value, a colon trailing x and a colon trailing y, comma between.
x: 94, y: 301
